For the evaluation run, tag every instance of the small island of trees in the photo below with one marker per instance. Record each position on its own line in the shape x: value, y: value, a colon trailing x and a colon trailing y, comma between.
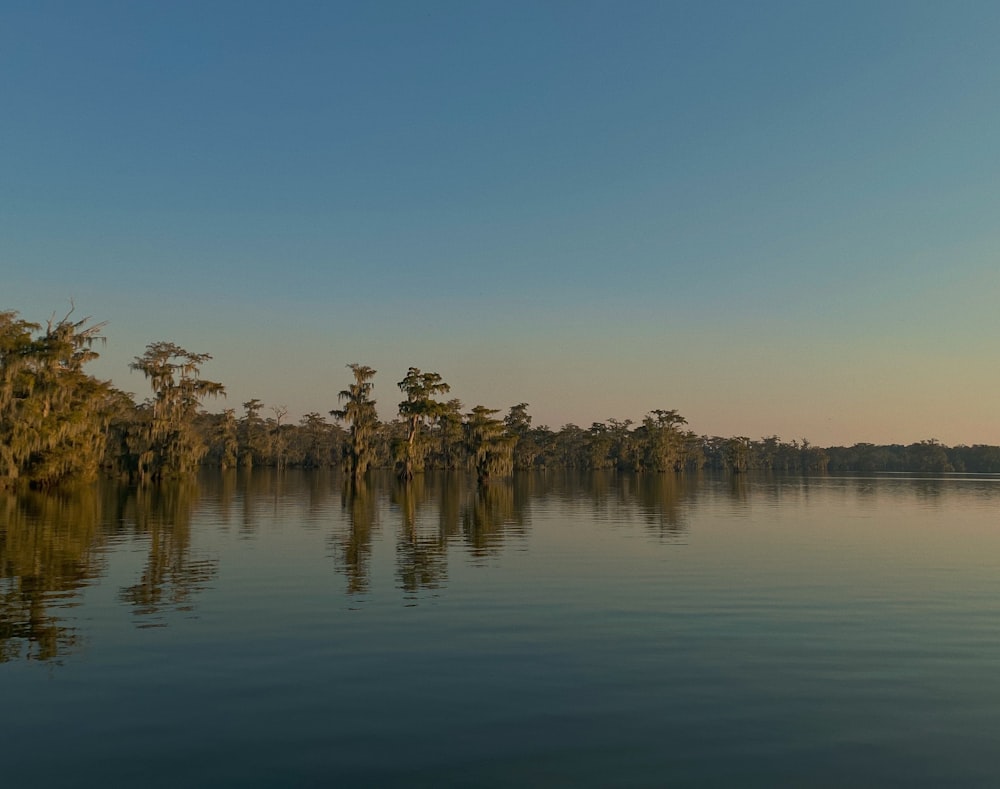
x: 58, y: 424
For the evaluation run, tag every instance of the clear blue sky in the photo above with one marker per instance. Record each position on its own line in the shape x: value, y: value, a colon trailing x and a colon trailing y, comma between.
x: 775, y: 217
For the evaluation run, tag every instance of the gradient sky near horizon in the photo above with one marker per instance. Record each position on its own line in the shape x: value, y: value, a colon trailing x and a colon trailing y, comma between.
x: 774, y: 217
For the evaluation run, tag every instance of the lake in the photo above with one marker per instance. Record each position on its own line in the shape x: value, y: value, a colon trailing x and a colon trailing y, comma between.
x: 563, y: 629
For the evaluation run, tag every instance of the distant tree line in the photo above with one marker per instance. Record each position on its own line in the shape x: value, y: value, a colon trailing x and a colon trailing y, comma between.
x: 58, y: 424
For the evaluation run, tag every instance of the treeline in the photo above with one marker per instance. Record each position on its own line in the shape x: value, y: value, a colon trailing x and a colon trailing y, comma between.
x: 58, y: 423
x: 927, y: 456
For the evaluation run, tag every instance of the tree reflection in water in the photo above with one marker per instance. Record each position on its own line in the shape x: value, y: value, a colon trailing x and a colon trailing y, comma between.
x: 492, y: 514
x: 434, y: 511
x: 438, y: 512
x: 353, y: 547
x: 421, y: 544
x: 54, y: 544
x: 662, y: 500
x: 161, y: 514
x: 50, y: 548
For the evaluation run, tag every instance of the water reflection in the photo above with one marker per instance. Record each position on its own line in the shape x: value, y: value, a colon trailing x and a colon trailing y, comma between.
x: 353, y: 546
x: 422, y: 543
x: 660, y: 501
x: 161, y: 514
x: 739, y: 489
x: 492, y: 515
x: 663, y: 499
x: 50, y: 549
x: 54, y: 545
x: 432, y: 514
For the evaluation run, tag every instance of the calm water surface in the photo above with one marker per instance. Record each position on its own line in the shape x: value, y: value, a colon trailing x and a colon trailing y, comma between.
x: 563, y: 630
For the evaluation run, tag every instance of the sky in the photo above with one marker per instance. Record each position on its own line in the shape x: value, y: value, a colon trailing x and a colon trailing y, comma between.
x: 777, y: 218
